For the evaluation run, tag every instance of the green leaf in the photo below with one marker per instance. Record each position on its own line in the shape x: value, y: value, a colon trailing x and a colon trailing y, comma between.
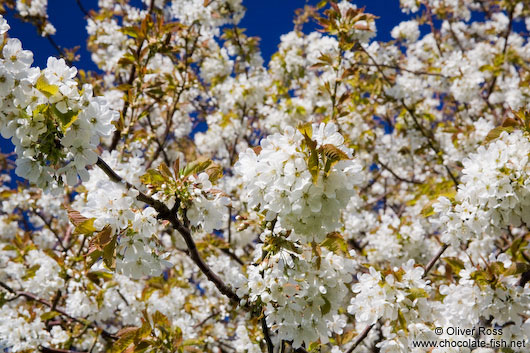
x: 314, y: 347
x: 402, y: 321
x: 455, y: 263
x: 109, y: 258
x: 482, y: 277
x: 97, y: 276
x: 100, y: 298
x: 415, y: 293
x: 65, y: 119
x: 313, y: 166
x: 85, y: 227
x: 516, y: 245
x: 334, y: 242
x: 126, y: 338
x: 428, y: 210
x: 3, y: 299
x: 49, y: 315
x: 103, y: 244
x: 516, y: 268
x: 214, y: 171
x: 153, y: 178
x: 326, y: 307
x: 45, y: 88
x: 497, y: 268
x: 312, y: 163
x: 143, y: 332
x: 130, y: 31
x: 30, y: 273
x: 160, y: 319
x: 142, y: 347
x: 94, y: 255
x: 165, y: 171
x: 496, y: 132
x: 197, y: 166
x: 306, y: 129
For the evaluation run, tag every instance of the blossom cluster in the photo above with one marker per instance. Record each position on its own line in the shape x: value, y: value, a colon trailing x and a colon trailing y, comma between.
x: 36, y: 10
x: 494, y: 194
x: 287, y: 181
x: 302, y: 292
x: 55, y: 127
x: 347, y: 195
x: 120, y: 218
x: 403, y: 292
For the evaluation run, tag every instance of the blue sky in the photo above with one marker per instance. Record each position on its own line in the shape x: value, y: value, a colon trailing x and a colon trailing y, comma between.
x: 267, y: 19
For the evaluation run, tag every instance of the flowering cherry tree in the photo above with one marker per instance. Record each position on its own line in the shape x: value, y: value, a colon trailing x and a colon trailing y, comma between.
x: 349, y: 195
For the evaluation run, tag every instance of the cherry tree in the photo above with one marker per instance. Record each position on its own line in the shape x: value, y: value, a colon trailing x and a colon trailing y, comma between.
x: 349, y: 195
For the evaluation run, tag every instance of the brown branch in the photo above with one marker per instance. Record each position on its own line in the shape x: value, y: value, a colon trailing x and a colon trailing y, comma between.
x: 166, y: 214
x: 57, y: 350
x: 233, y: 256
x: 360, y: 338
x: 83, y: 9
x: 431, y: 141
x: 410, y: 181
x: 399, y: 68
x: 213, y: 314
x: 49, y: 225
x: 266, y: 335
x: 508, y: 31
x: 431, y: 263
x: 33, y: 297
x: 132, y: 75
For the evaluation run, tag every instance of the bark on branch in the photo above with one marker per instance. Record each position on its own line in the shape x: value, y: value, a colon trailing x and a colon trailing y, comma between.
x: 33, y: 297
x: 166, y: 214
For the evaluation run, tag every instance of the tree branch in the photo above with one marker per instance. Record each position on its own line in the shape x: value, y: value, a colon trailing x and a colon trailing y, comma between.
x: 83, y: 9
x: 431, y: 141
x: 165, y: 213
x: 410, y: 181
x: 33, y: 297
x: 57, y: 350
x: 266, y: 334
x: 360, y: 338
x: 431, y: 263
x: 132, y: 75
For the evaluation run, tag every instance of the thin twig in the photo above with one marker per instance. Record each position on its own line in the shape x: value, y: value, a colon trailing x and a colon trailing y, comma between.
x: 505, y: 47
x: 360, y: 338
x: 132, y: 75
x: 57, y: 350
x: 59, y: 50
x: 61, y: 311
x: 213, y: 314
x: 49, y: 225
x: 266, y: 334
x: 431, y: 263
x: 83, y: 9
x: 431, y: 141
x: 410, y: 181
x: 165, y: 213
x: 399, y: 68
x: 233, y: 256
